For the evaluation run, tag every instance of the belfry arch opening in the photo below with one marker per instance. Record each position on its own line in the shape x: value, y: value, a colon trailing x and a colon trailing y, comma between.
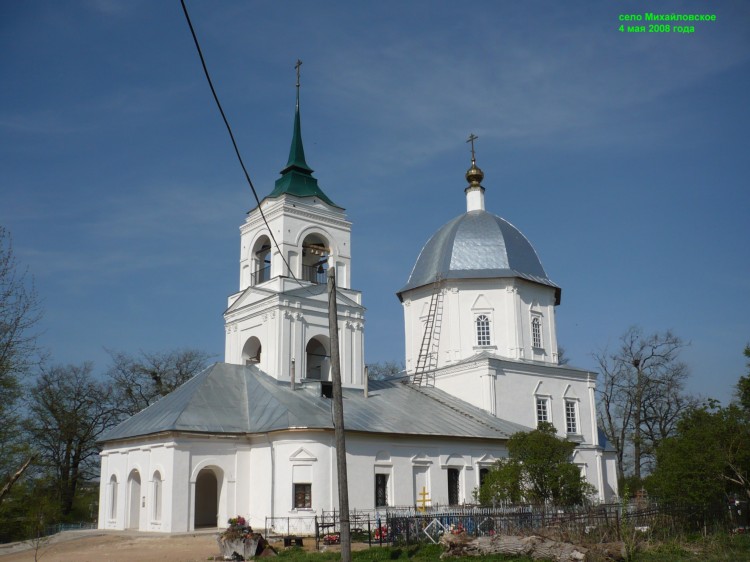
x: 315, y: 252
x: 318, y: 359
x: 206, y: 499
x: 261, y: 259
x: 251, y: 351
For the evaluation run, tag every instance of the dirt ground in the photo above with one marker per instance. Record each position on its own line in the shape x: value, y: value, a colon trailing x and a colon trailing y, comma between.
x: 122, y: 546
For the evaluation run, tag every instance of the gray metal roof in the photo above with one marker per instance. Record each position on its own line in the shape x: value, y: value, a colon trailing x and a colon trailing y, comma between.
x: 477, y: 244
x: 238, y: 399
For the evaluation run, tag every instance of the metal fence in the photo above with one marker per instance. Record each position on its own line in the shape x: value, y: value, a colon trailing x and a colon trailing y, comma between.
x: 596, y: 523
x: 605, y: 522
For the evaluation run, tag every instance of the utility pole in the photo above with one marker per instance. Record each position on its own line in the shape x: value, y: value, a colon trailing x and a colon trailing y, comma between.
x: 338, y: 419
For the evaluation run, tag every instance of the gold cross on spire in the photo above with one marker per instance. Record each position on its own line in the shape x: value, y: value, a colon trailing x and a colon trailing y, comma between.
x: 471, y: 139
x: 297, y: 67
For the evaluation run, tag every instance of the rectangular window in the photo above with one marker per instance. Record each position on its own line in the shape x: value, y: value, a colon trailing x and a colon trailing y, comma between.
x: 302, y: 496
x: 483, y: 472
x: 453, y: 479
x: 381, y: 490
x: 542, y: 413
x: 571, y: 423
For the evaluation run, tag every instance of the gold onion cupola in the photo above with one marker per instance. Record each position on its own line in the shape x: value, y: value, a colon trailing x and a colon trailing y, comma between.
x: 474, y: 175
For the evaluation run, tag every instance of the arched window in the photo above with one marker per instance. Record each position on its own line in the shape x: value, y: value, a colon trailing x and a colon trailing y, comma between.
x: 251, y: 351
x: 536, y: 332
x: 157, y: 496
x: 483, y: 330
x: 318, y: 359
x: 113, y: 497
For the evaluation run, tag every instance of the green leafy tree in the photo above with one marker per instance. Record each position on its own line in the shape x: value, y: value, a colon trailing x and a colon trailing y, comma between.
x: 743, y: 386
x: 709, y: 457
x: 538, y: 470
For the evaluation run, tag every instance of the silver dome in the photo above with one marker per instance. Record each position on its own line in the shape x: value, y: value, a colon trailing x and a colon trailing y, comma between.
x: 477, y: 245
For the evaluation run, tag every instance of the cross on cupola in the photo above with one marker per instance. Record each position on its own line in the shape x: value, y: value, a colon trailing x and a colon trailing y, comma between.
x: 471, y: 139
x: 474, y: 175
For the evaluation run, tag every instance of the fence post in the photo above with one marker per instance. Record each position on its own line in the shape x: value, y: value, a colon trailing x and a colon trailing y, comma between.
x: 369, y: 532
x: 317, y: 533
x: 617, y: 524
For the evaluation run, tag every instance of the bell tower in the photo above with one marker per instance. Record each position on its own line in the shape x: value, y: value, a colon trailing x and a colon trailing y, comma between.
x: 279, y: 318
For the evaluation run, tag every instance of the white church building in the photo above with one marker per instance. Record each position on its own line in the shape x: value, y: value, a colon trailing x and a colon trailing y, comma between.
x: 254, y: 436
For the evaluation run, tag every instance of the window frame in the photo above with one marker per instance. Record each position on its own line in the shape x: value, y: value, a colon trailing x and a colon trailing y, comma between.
x: 307, y: 495
x: 113, y: 497
x: 158, y: 493
x: 571, y: 415
x: 537, y: 341
x: 384, y: 488
x: 483, y: 330
x: 484, y: 471
x: 449, y: 475
x: 538, y: 401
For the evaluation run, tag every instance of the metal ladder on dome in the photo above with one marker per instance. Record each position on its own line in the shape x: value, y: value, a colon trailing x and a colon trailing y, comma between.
x: 424, y: 373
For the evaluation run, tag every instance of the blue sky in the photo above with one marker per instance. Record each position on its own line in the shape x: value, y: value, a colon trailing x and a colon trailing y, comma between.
x: 624, y: 158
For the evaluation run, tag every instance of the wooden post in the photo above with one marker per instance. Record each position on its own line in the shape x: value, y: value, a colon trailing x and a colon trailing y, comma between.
x: 338, y: 419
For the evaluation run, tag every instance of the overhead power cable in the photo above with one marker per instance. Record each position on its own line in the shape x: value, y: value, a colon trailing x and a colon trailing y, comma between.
x: 234, y: 142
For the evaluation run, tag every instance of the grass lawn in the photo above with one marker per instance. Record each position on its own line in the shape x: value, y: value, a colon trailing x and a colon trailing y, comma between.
x: 419, y: 553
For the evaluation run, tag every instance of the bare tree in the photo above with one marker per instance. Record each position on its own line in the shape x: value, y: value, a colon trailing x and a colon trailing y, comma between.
x: 139, y: 381
x: 562, y: 357
x: 385, y: 370
x: 663, y: 407
x: 641, y: 394
x: 68, y: 411
x: 19, y: 313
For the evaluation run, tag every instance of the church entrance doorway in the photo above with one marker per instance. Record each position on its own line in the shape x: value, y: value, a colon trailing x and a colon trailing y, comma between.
x: 206, y: 499
x: 134, y: 500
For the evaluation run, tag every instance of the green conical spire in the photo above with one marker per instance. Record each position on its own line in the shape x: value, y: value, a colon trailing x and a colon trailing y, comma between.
x: 296, y: 177
x: 297, y: 151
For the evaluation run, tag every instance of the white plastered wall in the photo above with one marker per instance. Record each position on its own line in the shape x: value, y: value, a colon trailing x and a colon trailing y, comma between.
x: 509, y: 304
